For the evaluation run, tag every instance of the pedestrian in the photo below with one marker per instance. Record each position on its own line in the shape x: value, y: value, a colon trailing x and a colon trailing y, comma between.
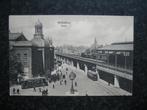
x: 63, y: 76
x: 65, y: 82
x: 86, y: 93
x: 46, y: 91
x: 53, y: 86
x: 43, y: 93
x: 76, y: 84
x: 13, y: 90
x: 39, y: 89
x: 61, y: 82
x: 50, y: 81
x: 108, y: 83
x: 17, y: 91
x: 61, y: 72
x: 34, y: 89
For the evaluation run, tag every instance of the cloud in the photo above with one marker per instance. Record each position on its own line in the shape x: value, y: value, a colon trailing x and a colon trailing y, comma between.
x: 81, y: 31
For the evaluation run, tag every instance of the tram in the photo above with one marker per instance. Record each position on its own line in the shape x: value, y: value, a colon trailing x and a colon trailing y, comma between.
x: 92, y: 75
x: 34, y: 82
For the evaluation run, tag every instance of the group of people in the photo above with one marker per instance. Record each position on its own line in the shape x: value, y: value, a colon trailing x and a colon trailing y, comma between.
x: 44, y: 91
x: 16, y: 91
x: 58, y: 77
x: 63, y: 81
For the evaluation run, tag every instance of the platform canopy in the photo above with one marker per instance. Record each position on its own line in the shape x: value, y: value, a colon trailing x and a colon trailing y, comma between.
x: 126, y: 46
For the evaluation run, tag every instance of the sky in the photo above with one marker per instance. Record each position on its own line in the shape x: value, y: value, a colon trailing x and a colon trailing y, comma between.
x: 76, y: 30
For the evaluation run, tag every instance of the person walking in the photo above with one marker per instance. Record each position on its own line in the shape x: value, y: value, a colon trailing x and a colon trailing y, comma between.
x: 46, y: 91
x: 39, y: 89
x: 65, y: 82
x: 43, y: 93
x: 66, y: 69
x: 13, y: 90
x: 76, y: 84
x: 53, y: 86
x: 86, y: 93
x: 63, y: 76
x: 108, y: 83
x: 17, y: 91
x: 34, y: 89
x: 60, y: 82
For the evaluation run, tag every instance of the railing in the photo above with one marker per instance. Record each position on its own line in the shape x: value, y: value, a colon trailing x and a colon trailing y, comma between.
x: 81, y: 58
x: 116, y: 68
x: 99, y: 63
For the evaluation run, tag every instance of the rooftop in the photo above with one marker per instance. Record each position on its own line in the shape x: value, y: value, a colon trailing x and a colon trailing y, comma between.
x: 118, y: 46
x: 23, y: 43
x: 15, y: 36
x: 116, y: 43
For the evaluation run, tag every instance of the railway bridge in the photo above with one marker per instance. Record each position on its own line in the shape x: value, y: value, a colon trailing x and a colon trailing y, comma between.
x: 119, y: 77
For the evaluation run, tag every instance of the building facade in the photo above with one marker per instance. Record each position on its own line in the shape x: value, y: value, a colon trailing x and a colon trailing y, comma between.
x: 36, y: 56
x: 119, y: 57
x: 117, y: 54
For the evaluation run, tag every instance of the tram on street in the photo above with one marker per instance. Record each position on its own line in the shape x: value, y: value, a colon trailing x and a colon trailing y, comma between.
x: 34, y: 82
x: 92, y: 75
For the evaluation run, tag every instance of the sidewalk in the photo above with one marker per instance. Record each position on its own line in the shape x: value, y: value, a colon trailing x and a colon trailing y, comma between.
x: 84, y: 86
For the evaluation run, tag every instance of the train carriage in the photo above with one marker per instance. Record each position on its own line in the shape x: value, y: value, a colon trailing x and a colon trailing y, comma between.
x: 92, y: 75
x: 34, y: 82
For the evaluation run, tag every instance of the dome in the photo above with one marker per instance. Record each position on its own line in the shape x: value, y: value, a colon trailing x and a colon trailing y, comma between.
x: 38, y: 23
x: 47, y: 44
x: 37, y: 42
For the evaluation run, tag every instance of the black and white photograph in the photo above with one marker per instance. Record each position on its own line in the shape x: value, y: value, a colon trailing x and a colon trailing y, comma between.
x: 71, y: 55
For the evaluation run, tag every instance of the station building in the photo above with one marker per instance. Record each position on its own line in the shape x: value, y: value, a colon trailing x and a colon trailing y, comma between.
x: 36, y: 55
x: 119, y: 57
x: 117, y: 54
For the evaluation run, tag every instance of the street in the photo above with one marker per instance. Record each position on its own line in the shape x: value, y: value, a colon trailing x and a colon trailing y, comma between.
x: 84, y: 86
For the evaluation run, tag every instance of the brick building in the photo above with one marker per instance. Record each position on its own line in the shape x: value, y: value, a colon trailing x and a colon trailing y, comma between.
x: 36, y: 56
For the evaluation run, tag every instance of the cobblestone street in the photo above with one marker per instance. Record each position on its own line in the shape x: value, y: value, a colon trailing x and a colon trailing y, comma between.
x: 84, y: 86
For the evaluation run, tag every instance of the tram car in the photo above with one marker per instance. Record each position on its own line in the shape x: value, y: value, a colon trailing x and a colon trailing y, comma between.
x: 34, y: 82
x: 92, y: 75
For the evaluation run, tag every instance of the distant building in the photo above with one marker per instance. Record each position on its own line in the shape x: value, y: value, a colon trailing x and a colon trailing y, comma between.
x: 69, y: 49
x: 90, y: 52
x: 95, y: 45
x: 117, y: 54
x: 36, y: 56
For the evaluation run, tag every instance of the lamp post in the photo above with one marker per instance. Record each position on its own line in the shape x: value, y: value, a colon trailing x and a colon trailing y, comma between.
x: 72, y: 76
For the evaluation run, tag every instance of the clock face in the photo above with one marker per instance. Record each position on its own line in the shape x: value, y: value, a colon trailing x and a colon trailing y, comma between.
x: 72, y: 76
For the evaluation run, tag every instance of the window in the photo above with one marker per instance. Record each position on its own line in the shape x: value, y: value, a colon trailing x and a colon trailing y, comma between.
x: 111, y: 52
x: 126, y: 53
x: 25, y: 58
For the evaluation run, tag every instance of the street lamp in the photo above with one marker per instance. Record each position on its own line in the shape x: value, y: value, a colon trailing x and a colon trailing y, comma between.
x: 72, y: 76
x: 18, y: 78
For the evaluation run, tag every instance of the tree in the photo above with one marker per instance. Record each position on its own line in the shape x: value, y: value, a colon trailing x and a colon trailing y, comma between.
x: 15, y: 67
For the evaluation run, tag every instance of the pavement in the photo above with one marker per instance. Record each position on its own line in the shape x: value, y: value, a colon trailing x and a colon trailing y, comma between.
x: 84, y: 86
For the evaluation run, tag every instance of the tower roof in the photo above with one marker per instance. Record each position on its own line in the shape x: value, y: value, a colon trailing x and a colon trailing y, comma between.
x: 38, y: 23
x: 38, y: 42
